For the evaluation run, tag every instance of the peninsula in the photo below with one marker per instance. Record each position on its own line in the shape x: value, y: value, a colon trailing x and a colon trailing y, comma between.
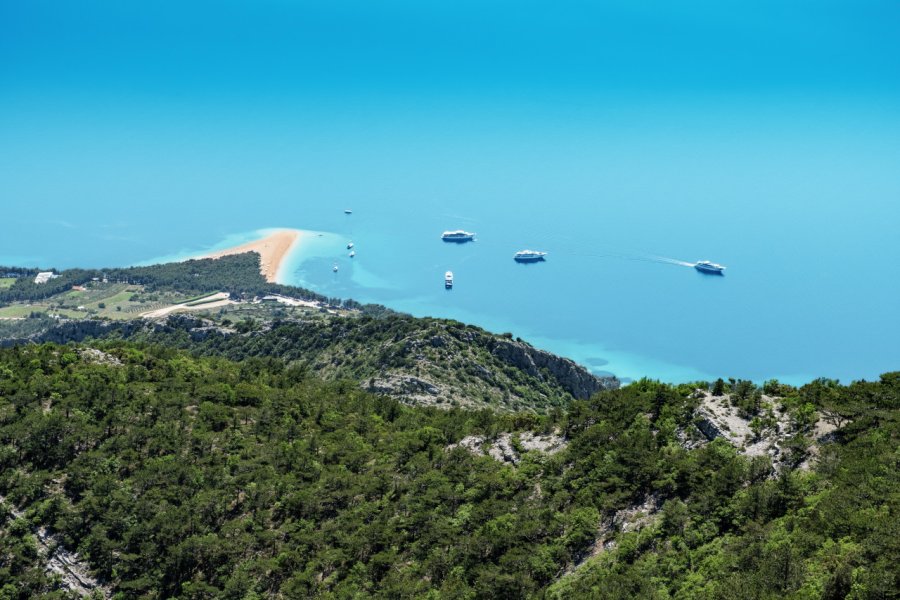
x: 272, y: 250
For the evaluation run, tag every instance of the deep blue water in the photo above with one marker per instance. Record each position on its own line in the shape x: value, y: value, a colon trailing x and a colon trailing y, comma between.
x: 603, y: 133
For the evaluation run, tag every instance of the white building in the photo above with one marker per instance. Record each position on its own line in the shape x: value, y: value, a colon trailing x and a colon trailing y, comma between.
x: 45, y: 276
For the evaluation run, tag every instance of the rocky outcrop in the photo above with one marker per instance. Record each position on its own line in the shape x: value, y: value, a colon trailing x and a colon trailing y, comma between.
x: 504, y: 449
x: 570, y: 376
x: 99, y: 357
x: 80, y: 330
x: 717, y: 418
x: 74, y: 574
x: 707, y: 425
x: 403, y: 385
x: 64, y: 332
x: 632, y: 518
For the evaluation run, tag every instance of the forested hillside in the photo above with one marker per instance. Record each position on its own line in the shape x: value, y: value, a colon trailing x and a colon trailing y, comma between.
x: 424, y: 361
x: 173, y: 475
x: 421, y: 360
x: 238, y: 274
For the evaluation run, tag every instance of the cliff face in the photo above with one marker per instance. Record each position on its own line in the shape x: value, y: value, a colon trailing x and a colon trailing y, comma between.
x: 422, y: 361
x: 541, y: 364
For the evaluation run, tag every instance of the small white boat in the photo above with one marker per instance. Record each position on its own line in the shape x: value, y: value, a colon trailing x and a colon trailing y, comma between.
x: 705, y: 266
x: 349, y: 245
x: 347, y: 211
x: 352, y: 253
x: 335, y: 268
x: 448, y: 279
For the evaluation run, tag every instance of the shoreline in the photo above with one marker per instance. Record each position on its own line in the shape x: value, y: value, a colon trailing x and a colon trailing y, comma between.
x: 283, y: 251
x: 273, y: 249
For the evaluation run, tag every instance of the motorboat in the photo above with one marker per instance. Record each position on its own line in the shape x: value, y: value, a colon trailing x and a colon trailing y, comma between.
x: 529, y: 256
x: 458, y: 236
x: 705, y: 266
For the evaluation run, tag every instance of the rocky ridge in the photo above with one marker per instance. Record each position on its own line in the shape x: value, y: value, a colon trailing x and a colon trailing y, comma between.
x: 420, y: 361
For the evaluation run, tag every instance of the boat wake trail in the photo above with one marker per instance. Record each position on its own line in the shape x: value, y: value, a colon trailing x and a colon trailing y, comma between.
x: 672, y: 261
x: 632, y: 256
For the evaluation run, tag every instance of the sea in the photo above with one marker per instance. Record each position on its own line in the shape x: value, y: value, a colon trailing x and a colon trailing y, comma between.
x: 802, y: 207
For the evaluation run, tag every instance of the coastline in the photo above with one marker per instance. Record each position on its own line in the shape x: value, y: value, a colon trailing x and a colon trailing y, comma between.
x: 273, y: 249
x: 306, y: 258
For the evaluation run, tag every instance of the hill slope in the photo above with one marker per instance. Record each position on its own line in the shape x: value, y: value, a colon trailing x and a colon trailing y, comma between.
x: 176, y: 476
x: 423, y: 361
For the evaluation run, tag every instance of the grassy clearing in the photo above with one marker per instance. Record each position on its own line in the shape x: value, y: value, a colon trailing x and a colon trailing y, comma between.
x: 6, y: 282
x: 20, y: 310
x: 96, y: 293
x: 104, y: 300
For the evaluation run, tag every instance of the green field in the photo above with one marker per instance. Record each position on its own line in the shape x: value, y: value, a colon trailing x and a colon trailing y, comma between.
x: 20, y: 310
x: 6, y: 282
x: 119, y: 300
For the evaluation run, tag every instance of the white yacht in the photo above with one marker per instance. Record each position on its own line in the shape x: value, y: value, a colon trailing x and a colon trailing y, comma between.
x: 347, y: 211
x: 349, y: 245
x: 335, y: 268
x: 527, y: 256
x: 705, y: 266
x: 448, y: 279
x: 352, y: 253
x: 457, y: 236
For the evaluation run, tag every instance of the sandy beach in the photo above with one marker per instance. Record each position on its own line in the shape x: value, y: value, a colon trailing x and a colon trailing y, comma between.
x: 272, y: 249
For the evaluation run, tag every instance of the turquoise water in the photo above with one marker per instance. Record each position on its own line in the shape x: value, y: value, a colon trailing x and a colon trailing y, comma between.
x: 803, y: 214
x: 617, y: 136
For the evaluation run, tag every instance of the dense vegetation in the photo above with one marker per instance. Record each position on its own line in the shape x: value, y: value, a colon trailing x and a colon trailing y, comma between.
x: 422, y: 360
x: 238, y: 274
x: 435, y: 361
x: 199, y: 477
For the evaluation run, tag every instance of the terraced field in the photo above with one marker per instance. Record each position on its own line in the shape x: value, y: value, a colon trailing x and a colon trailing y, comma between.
x: 104, y: 300
x: 18, y: 311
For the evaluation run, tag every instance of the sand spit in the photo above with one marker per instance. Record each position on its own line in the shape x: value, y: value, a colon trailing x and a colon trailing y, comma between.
x: 272, y: 249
